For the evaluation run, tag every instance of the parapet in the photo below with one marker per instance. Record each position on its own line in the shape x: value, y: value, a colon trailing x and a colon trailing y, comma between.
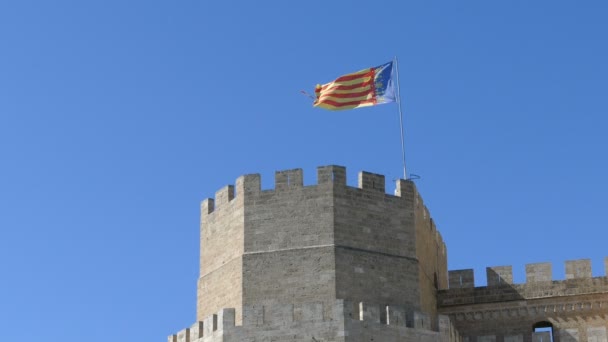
x: 287, y: 180
x: 301, y: 318
x: 212, y: 325
x: 578, y: 269
x: 535, y: 273
x: 499, y: 275
x: 538, y: 272
x: 539, y: 283
x: 461, y: 279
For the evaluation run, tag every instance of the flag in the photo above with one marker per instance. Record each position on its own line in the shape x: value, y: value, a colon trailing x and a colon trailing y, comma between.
x: 363, y: 88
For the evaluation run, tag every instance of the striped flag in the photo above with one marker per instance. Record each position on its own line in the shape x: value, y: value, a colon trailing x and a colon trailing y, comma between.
x: 363, y: 88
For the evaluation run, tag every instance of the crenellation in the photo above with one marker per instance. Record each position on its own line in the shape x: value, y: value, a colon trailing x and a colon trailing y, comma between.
x: 331, y: 174
x: 371, y: 181
x: 499, y: 275
x: 461, y: 279
x: 209, y: 325
x: 349, y: 309
x: 332, y: 262
x: 535, y: 273
x: 405, y: 189
x: 183, y: 335
x: 369, y: 312
x: 278, y: 325
x: 224, y: 195
x: 207, y: 206
x: 248, y: 185
x: 288, y: 179
x: 396, y: 315
x: 224, y: 319
x: 576, y: 269
x: 422, y: 320
x: 538, y: 272
x: 196, y: 331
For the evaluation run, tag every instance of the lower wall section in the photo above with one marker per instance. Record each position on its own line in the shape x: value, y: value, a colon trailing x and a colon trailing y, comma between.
x: 340, y: 321
x: 220, y: 289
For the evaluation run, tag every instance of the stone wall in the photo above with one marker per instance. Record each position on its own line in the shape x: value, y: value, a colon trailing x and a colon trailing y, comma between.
x: 576, y: 309
x: 340, y: 321
x: 322, y: 242
x: 221, y: 240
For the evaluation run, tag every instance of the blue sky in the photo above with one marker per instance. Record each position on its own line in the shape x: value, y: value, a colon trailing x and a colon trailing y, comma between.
x: 118, y: 117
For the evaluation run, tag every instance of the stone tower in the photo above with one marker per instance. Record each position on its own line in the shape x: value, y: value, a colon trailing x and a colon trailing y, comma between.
x: 331, y: 262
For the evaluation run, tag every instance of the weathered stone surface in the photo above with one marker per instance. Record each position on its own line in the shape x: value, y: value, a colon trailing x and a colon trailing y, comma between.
x: 331, y: 262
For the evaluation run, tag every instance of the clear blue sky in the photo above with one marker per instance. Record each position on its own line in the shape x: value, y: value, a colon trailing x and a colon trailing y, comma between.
x: 118, y: 117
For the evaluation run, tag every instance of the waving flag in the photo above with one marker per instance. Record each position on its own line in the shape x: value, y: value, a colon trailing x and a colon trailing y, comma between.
x: 363, y: 88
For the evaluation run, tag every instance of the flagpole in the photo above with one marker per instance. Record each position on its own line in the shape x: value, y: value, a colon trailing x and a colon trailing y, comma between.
x: 400, y: 117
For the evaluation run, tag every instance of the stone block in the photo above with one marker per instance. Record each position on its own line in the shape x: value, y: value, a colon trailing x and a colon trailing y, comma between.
x: 347, y: 309
x: 224, y: 195
x: 422, y: 321
x: 405, y: 188
x: 287, y: 179
x: 499, y: 275
x: 538, y: 272
x: 370, y: 313
x: 371, y: 181
x: 196, y: 331
x: 248, y: 184
x: 209, y: 325
x: 461, y: 279
x: 184, y: 335
x: 225, y: 318
x: 207, y: 206
x: 576, y: 269
x: 396, y: 315
x: 331, y: 174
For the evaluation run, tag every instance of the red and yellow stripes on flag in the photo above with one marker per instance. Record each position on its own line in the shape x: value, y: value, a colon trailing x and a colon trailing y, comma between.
x: 347, y: 92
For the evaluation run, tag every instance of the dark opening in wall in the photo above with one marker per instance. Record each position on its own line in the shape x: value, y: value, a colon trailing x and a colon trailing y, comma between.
x: 544, y: 327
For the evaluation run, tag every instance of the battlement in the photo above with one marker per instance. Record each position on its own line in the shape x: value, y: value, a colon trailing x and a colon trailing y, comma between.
x: 334, y: 239
x: 300, y: 318
x: 535, y: 273
x: 539, y: 283
x: 287, y: 180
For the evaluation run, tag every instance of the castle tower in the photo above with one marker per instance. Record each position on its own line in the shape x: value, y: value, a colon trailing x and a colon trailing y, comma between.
x: 321, y: 254
x: 333, y: 263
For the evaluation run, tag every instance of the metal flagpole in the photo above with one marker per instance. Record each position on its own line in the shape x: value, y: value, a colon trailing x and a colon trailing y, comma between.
x: 400, y: 117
